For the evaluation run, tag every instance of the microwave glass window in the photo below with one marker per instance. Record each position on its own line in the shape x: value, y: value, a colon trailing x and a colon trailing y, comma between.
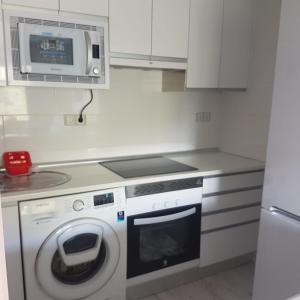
x: 51, y: 50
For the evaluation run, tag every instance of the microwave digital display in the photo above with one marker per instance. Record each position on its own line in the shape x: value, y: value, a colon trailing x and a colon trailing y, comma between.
x: 51, y: 50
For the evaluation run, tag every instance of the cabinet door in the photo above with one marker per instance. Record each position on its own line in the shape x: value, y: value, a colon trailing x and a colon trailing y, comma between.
x: 46, y: 4
x: 3, y: 277
x: 236, y: 48
x: 2, y: 58
x: 90, y: 7
x: 170, y: 28
x: 205, y: 39
x: 229, y: 243
x: 130, y: 26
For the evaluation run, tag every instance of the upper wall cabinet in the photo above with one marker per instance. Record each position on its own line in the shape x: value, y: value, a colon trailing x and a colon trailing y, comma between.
x: 236, y: 48
x: 130, y: 26
x: 205, y: 41
x: 89, y: 7
x: 219, y: 43
x: 170, y: 28
x: 45, y: 4
x: 154, y: 29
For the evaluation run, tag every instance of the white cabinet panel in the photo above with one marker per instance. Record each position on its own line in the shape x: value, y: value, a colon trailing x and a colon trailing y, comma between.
x: 225, y: 244
x: 231, y: 200
x: 236, y: 46
x: 3, y: 276
x: 232, y: 182
x: 205, y: 38
x: 46, y: 4
x: 90, y: 7
x: 2, y: 57
x: 13, y: 252
x: 170, y: 28
x: 130, y: 26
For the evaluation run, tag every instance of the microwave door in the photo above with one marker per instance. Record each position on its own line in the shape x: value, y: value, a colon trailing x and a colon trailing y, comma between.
x: 51, y: 50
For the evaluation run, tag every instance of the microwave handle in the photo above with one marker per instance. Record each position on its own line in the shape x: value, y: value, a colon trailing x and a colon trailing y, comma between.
x: 88, y: 43
x: 162, y: 219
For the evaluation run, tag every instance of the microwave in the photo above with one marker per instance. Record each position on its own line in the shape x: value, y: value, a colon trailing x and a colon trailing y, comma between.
x: 59, y: 51
x: 56, y: 51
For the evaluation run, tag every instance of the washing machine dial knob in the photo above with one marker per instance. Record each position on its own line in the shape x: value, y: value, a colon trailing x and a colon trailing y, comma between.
x: 78, y: 205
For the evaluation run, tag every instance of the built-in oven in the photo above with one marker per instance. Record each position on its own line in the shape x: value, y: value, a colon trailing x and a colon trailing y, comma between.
x: 164, y: 225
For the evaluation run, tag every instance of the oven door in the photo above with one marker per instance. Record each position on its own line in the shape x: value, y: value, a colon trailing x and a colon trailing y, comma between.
x: 162, y: 239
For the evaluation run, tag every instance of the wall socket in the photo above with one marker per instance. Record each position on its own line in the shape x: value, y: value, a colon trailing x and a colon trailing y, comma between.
x: 203, y: 116
x: 72, y: 120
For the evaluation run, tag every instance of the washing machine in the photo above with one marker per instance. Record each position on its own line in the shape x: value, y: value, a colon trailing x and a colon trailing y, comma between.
x: 74, y: 246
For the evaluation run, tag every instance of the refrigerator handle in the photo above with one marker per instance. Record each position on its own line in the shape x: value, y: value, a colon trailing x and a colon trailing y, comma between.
x: 284, y: 213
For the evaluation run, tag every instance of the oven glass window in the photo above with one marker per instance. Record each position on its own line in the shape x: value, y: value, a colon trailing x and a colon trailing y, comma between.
x: 161, y: 241
x: 51, y: 50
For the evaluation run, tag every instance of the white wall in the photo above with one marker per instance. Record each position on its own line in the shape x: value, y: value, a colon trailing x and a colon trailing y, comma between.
x: 245, y: 115
x: 133, y: 117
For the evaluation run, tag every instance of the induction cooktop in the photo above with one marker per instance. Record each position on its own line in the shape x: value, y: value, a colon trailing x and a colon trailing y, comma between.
x: 149, y: 166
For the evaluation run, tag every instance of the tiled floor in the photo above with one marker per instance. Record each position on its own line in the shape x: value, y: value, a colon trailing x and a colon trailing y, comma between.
x: 235, y: 284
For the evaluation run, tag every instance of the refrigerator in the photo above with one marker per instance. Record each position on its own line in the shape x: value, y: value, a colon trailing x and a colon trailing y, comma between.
x: 277, y: 270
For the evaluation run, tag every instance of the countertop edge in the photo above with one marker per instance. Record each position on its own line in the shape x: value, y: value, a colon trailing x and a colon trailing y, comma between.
x: 11, y: 199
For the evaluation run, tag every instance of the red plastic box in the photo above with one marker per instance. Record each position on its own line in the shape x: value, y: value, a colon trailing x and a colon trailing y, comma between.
x: 17, y: 163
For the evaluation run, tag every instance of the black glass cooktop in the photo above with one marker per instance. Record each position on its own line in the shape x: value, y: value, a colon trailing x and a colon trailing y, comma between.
x: 149, y: 166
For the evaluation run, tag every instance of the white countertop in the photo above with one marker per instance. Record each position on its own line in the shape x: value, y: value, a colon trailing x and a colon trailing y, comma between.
x: 92, y: 176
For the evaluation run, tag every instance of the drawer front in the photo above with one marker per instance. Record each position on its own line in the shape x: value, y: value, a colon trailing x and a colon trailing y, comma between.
x: 226, y: 244
x: 230, y: 200
x: 232, y: 182
x: 220, y: 220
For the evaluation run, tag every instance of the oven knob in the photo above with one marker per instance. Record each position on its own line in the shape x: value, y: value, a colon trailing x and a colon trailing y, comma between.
x: 78, y: 205
x: 96, y: 71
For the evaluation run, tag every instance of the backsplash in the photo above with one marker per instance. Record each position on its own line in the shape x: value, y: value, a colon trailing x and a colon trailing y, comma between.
x: 133, y: 117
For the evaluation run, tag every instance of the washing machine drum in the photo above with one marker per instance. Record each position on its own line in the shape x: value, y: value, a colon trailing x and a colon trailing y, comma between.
x: 77, y: 259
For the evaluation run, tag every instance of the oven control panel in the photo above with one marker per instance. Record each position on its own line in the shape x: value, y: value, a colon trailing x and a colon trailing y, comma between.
x: 163, y: 195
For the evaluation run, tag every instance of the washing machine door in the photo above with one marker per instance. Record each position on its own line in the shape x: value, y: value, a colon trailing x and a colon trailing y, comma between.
x: 77, y: 259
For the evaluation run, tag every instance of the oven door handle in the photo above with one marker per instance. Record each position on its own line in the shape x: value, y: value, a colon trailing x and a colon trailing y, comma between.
x: 162, y: 219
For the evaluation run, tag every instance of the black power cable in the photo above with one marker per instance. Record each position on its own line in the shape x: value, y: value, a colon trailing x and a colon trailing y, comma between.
x: 80, y: 119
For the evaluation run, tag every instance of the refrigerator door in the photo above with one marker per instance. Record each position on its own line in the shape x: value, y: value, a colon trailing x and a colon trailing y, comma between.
x: 281, y: 186
x: 277, y: 273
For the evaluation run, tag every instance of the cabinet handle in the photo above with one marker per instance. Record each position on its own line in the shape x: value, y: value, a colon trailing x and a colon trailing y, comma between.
x: 156, y: 220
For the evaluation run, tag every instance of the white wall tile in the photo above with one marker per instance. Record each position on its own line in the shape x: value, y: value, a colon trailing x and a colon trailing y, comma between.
x: 133, y: 117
